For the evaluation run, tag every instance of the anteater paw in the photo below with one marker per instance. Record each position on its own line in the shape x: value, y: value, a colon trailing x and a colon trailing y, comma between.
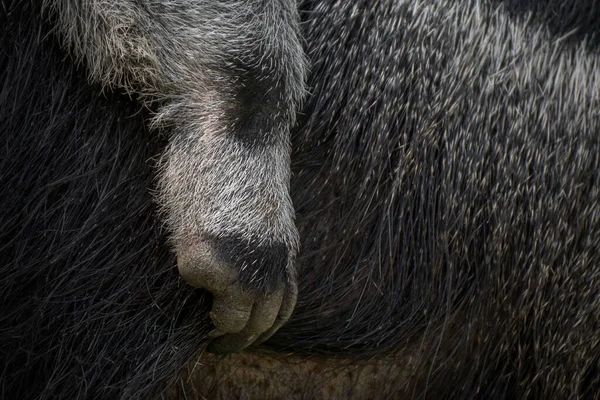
x: 254, y: 287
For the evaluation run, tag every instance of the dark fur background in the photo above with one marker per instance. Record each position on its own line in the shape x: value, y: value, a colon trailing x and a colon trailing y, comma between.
x: 446, y: 184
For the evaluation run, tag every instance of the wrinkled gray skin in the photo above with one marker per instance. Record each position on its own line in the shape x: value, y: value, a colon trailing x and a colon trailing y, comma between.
x: 225, y: 79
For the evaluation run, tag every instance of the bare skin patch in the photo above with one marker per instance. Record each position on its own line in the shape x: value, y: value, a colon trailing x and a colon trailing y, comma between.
x: 281, y: 376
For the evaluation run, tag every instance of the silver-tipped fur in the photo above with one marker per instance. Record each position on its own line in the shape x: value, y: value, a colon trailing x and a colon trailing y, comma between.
x: 225, y: 78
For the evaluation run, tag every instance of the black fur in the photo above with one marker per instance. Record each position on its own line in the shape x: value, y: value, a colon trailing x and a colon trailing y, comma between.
x: 252, y: 258
x: 88, y: 284
x: 447, y: 189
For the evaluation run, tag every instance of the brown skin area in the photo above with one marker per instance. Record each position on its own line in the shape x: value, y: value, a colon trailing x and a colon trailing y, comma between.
x: 268, y: 374
x: 264, y: 375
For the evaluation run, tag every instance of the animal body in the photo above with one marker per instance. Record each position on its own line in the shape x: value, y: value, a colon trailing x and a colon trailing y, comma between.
x: 444, y: 176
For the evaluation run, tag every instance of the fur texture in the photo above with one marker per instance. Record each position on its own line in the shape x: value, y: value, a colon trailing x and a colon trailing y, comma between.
x: 446, y: 180
x: 225, y: 79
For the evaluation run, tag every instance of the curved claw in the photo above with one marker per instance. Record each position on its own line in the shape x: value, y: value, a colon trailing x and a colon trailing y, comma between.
x: 285, y: 312
x: 265, y: 313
